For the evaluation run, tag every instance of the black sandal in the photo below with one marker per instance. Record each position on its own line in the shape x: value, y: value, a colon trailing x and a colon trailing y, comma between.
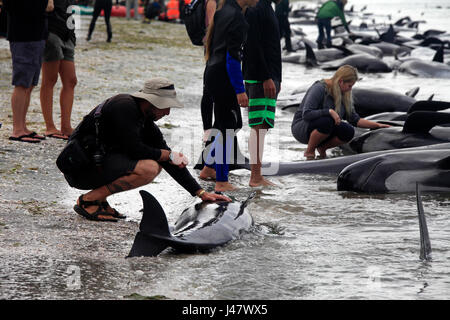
x: 116, y: 213
x: 92, y: 216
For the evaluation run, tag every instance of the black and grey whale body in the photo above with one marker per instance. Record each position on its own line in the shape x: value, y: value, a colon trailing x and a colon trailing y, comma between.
x: 199, y: 228
x: 398, y: 173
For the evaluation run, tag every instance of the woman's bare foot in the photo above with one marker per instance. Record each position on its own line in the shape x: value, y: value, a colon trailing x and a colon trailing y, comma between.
x: 207, y: 173
x: 224, y: 186
x: 260, y: 182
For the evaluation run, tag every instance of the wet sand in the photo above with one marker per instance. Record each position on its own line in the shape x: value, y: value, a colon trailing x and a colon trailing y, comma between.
x: 44, y: 244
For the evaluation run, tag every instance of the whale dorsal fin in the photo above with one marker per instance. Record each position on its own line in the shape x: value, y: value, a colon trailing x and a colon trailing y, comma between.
x: 439, y: 56
x: 310, y: 56
x: 424, y: 121
x: 413, y: 92
x: 154, y: 219
x: 428, y: 105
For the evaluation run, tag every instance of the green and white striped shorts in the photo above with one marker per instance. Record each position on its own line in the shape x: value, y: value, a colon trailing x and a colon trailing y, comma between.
x: 260, y: 108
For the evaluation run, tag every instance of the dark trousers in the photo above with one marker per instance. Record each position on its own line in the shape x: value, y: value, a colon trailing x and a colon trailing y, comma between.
x: 106, y: 6
x: 227, y: 119
x: 325, y: 125
x: 206, y: 108
x: 324, y: 24
x: 285, y: 31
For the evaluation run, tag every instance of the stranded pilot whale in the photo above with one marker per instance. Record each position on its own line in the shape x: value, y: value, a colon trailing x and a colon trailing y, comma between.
x: 420, y: 128
x: 425, y: 244
x: 398, y: 172
x: 199, y: 228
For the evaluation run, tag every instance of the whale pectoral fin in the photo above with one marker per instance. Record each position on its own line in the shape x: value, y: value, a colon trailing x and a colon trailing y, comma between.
x: 425, y: 244
x: 154, y: 219
x: 146, y: 246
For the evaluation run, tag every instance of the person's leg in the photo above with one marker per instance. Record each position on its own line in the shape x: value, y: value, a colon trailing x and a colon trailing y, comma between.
x: 341, y: 134
x: 95, y: 15
x: 256, y: 149
x: 20, y: 101
x: 107, y: 12
x: 320, y: 129
x: 328, y: 31
x: 144, y: 172
x: 128, y: 9
x: 69, y: 81
x: 136, y: 10
x: 261, y: 113
x: 223, y: 150
x: 319, y: 41
x: 49, y: 78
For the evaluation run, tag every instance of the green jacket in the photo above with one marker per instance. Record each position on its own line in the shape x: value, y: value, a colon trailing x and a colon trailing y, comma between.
x: 331, y: 9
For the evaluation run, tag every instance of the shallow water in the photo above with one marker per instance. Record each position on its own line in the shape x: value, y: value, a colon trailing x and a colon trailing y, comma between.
x: 309, y: 241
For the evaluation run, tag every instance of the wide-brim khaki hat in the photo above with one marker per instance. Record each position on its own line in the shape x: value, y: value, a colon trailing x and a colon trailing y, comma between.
x: 160, y: 92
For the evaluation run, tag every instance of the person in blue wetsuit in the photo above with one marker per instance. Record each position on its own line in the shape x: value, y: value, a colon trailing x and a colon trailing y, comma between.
x: 224, y: 81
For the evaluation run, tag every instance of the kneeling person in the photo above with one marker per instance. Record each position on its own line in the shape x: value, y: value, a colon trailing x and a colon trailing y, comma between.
x: 134, y: 150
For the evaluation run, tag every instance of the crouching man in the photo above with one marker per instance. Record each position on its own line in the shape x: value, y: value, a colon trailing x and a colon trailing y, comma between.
x: 118, y: 147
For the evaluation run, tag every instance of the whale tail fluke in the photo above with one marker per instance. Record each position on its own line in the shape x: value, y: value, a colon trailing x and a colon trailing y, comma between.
x: 425, y: 244
x: 153, y: 227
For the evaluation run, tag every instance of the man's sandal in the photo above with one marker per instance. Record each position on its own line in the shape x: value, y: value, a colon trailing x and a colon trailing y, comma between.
x: 92, y: 216
x: 116, y: 213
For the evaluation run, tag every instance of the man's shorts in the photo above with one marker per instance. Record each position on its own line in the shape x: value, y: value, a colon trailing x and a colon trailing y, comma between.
x: 57, y: 49
x: 260, y: 109
x: 26, y: 62
x: 115, y: 165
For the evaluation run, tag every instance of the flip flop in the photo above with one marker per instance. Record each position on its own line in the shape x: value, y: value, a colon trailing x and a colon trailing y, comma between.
x: 36, y: 136
x: 21, y: 139
x: 57, y: 136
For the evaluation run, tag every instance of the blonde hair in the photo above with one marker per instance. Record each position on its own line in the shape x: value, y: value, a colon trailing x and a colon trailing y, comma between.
x: 347, y: 74
x: 210, y: 31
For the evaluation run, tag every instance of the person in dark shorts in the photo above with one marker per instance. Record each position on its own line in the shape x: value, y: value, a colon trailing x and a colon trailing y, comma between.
x: 59, y: 60
x: 106, y: 6
x: 134, y: 150
x: 262, y: 71
x: 26, y: 33
x: 318, y: 122
x: 328, y: 11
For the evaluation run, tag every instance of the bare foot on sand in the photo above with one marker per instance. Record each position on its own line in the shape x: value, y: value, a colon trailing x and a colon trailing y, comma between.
x: 207, y: 173
x: 260, y: 182
x: 224, y: 186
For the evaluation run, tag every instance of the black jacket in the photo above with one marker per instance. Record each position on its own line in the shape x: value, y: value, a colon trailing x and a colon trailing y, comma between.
x: 262, y: 51
x: 124, y: 129
x: 59, y: 19
x: 230, y: 31
x: 27, y: 20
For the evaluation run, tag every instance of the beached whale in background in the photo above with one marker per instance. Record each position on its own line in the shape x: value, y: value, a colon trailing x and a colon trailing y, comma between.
x: 201, y: 227
x: 421, y: 128
x: 398, y: 172
x: 364, y: 62
x: 367, y: 101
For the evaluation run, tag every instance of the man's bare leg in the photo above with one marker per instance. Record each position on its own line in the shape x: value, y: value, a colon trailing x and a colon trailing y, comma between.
x: 256, y: 148
x: 145, y: 172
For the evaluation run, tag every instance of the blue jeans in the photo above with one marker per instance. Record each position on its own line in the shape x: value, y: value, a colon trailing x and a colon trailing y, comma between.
x: 324, y: 24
